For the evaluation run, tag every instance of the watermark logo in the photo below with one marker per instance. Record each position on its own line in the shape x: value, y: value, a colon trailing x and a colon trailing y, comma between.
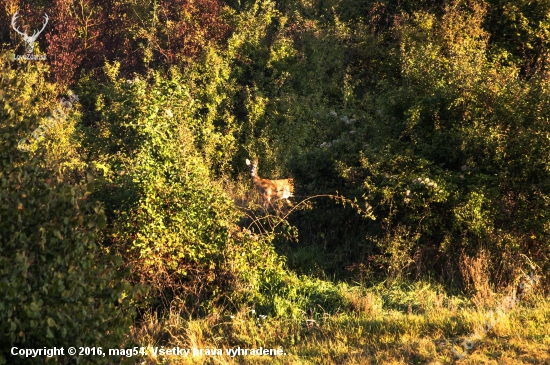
x: 30, y: 40
x: 59, y: 117
x: 504, y: 307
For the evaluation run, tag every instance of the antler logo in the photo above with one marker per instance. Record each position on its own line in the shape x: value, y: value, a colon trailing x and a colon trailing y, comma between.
x: 29, y: 40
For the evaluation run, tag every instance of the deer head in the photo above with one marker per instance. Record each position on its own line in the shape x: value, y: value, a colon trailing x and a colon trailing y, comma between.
x: 29, y: 40
x: 252, y: 167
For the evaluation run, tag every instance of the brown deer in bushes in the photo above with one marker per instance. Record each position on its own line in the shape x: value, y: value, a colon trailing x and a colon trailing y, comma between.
x: 270, y: 189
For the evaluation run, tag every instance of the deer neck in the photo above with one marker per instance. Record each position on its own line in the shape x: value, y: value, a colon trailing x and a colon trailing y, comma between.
x: 255, y: 178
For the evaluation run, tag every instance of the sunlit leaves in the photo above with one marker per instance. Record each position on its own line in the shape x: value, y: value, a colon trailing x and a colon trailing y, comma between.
x: 49, y: 261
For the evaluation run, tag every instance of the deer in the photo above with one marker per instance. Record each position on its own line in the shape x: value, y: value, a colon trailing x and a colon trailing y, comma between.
x: 29, y: 40
x: 270, y: 189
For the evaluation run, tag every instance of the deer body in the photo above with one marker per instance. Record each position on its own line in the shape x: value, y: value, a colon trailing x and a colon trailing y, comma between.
x: 271, y: 189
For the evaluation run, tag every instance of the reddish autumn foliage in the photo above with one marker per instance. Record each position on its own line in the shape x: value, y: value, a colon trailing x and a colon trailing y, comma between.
x: 83, y: 34
x: 189, y: 25
x: 65, y: 47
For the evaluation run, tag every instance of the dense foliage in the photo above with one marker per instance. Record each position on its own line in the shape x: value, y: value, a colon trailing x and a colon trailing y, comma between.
x: 55, y: 280
x: 417, y: 134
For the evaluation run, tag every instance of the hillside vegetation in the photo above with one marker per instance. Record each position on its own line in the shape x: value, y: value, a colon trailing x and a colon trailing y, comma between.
x: 417, y: 135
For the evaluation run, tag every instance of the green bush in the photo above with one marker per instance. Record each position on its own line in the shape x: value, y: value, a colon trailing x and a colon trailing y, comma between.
x: 460, y: 154
x: 57, y: 287
x: 447, y: 144
x: 166, y: 214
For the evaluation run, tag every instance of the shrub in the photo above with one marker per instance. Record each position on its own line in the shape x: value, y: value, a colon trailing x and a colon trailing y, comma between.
x: 166, y: 215
x: 57, y: 287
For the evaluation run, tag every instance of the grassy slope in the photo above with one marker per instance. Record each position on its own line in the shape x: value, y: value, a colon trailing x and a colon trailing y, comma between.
x: 414, y: 324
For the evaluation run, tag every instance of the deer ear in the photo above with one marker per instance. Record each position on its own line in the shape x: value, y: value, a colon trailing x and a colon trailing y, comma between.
x: 247, y: 162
